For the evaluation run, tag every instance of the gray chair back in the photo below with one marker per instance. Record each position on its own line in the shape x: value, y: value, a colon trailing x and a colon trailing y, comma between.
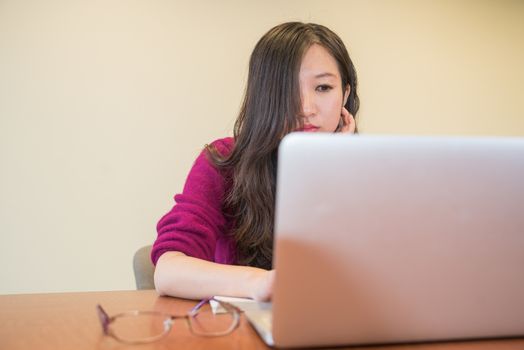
x: 143, y: 268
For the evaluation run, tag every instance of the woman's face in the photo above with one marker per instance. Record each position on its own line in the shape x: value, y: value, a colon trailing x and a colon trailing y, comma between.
x: 321, y: 93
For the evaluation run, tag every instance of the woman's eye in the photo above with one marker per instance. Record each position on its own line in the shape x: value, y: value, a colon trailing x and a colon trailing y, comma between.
x: 324, y: 88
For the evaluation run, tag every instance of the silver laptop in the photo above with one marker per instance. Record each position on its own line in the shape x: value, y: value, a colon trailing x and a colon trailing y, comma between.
x: 396, y: 239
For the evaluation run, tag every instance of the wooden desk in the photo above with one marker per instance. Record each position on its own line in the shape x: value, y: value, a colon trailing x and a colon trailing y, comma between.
x: 69, y: 321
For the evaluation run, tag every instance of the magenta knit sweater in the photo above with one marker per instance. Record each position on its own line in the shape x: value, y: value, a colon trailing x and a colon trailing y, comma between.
x: 196, y: 226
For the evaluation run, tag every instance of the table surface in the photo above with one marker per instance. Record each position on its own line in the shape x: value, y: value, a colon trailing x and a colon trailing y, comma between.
x: 69, y: 321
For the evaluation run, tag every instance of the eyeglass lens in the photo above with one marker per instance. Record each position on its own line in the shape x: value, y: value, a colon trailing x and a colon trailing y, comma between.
x: 141, y: 327
x: 208, y: 323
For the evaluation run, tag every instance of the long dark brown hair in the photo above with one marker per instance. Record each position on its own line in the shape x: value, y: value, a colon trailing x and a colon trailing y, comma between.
x: 269, y: 111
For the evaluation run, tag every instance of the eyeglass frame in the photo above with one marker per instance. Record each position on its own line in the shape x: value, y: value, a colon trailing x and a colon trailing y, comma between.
x: 169, y: 319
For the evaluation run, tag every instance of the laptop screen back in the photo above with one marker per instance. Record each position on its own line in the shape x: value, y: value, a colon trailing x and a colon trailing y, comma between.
x: 398, y: 239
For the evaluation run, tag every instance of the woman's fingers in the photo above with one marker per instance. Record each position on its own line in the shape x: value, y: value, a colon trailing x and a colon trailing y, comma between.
x: 348, y: 121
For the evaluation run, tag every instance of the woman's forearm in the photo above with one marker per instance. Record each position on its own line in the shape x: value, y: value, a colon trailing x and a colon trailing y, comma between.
x: 182, y: 276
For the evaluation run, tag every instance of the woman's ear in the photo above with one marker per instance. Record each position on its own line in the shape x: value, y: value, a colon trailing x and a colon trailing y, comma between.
x: 347, y: 90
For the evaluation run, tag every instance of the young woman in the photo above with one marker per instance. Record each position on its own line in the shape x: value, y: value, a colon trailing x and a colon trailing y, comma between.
x: 218, y: 238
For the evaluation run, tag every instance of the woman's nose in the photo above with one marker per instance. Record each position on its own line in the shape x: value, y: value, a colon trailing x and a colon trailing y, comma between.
x: 308, y: 105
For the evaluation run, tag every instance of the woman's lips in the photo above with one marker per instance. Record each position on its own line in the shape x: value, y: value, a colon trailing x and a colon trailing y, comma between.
x: 308, y: 128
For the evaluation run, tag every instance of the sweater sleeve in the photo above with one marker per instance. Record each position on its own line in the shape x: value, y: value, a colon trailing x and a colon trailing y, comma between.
x: 197, y: 220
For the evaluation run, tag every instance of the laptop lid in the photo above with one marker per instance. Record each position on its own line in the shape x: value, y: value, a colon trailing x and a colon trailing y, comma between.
x: 398, y: 239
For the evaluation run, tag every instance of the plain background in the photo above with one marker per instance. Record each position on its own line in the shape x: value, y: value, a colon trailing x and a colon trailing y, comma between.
x: 104, y: 105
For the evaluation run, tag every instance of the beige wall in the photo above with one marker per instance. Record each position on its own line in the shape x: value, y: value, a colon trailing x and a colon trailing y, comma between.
x: 105, y: 104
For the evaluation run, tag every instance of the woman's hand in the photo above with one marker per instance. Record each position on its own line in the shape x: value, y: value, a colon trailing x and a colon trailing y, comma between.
x: 347, y: 121
x: 263, y: 286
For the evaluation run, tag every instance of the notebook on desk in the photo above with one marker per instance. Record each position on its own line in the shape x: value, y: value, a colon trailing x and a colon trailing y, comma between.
x: 396, y: 239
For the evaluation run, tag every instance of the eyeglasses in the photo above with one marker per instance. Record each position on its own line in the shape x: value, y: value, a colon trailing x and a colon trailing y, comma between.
x: 138, y: 327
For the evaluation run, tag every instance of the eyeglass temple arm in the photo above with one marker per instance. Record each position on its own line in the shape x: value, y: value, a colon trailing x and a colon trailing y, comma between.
x: 224, y: 304
x: 197, y: 307
x: 103, y: 317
